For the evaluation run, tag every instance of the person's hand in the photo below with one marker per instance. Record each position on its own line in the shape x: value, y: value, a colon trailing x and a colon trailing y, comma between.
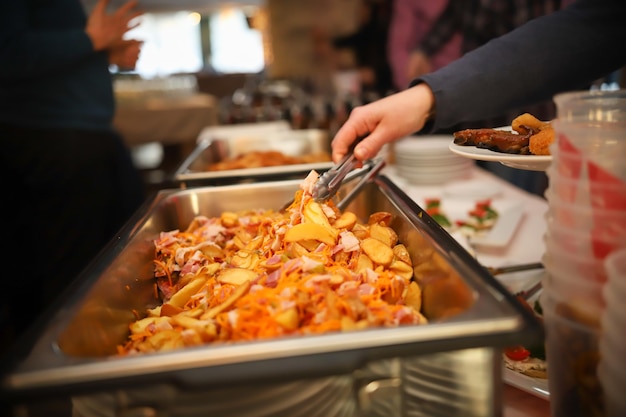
x: 383, y: 121
x: 418, y: 65
x: 107, y: 30
x: 125, y: 54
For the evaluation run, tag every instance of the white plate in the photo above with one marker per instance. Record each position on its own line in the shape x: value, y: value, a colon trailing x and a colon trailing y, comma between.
x: 501, y: 233
x: 510, y: 214
x: 516, y: 282
x: 525, y: 162
x: 422, y: 145
x: 535, y: 386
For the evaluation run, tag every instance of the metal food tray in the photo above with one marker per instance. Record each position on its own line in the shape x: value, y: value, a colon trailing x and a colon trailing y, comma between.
x: 220, y: 144
x: 73, y: 351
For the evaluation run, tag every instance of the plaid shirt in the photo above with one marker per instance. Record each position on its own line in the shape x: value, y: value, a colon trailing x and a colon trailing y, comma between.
x: 479, y: 21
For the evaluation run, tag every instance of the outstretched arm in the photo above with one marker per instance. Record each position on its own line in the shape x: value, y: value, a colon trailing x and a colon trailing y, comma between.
x: 558, y: 52
x: 383, y: 121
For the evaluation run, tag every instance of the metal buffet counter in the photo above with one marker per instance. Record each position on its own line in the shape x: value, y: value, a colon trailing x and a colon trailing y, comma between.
x: 450, y: 366
x: 521, y: 396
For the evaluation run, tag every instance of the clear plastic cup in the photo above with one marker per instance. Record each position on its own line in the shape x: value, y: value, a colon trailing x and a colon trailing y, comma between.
x: 614, y: 294
x: 568, y: 165
x: 573, y: 355
x: 572, y: 264
x: 612, y: 354
x: 614, y: 301
x: 596, y: 243
x: 594, y: 186
x: 614, y: 398
x: 591, y: 125
x: 615, y: 265
x: 614, y: 334
x: 578, y: 191
x: 612, y: 368
x: 567, y: 286
x: 587, y: 307
x: 612, y: 357
x: 584, y: 217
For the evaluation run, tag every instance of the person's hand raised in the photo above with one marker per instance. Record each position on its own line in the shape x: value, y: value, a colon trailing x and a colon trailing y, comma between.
x: 107, y: 30
x: 125, y: 54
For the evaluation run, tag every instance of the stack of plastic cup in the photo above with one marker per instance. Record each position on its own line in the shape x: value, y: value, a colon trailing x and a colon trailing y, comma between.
x: 612, y: 367
x: 586, y: 222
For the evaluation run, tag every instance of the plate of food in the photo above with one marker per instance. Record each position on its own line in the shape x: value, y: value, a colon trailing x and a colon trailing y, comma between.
x: 485, y: 222
x: 525, y: 366
x: 523, y: 145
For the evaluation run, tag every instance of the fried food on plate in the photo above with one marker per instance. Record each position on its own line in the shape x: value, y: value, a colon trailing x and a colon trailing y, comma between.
x: 527, y: 123
x: 541, y: 133
x: 540, y: 142
x: 493, y: 139
x: 530, y: 136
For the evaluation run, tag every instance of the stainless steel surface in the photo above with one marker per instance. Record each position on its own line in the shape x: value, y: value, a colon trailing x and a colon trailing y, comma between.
x: 529, y: 293
x: 316, y: 397
x: 328, y: 184
x: 216, y: 148
x: 464, y: 382
x: 369, y: 169
x: 461, y: 383
x: 367, y: 178
x: 74, y: 350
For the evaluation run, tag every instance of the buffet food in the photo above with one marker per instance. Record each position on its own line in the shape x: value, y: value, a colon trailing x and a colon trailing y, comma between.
x: 481, y: 218
x: 528, y: 359
x: 258, y: 274
x: 528, y: 136
x: 266, y: 158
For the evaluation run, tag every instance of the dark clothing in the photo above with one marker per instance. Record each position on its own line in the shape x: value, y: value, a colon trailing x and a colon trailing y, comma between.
x: 369, y: 44
x: 70, y: 179
x: 480, y: 21
x: 538, y: 39
x: 566, y: 50
x: 67, y: 200
x: 50, y: 76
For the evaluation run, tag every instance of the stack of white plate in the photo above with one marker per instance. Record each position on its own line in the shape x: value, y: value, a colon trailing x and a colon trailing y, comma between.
x: 428, y: 160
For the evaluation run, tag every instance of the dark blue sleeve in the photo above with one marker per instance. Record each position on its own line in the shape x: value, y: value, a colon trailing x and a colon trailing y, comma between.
x: 39, y: 37
x: 563, y: 51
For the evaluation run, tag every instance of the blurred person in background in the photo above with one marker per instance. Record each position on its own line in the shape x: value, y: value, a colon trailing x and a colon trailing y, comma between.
x: 70, y: 180
x: 563, y: 51
x: 369, y: 46
x: 411, y: 20
x: 480, y: 21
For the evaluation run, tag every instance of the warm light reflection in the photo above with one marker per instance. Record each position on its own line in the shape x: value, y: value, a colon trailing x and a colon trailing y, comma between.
x: 194, y: 18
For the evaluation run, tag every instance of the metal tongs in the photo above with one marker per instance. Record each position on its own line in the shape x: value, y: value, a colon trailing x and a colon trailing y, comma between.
x: 329, y: 183
x: 345, y: 171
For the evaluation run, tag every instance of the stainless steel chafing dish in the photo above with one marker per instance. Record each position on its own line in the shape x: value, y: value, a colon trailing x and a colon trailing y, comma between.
x: 220, y: 143
x: 403, y: 371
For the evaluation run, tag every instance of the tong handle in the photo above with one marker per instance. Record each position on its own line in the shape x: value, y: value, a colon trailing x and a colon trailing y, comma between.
x: 375, y: 167
x: 347, y: 164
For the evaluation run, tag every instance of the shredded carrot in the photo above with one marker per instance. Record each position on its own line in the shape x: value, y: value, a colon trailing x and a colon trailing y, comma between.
x: 166, y: 269
x: 300, y: 288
